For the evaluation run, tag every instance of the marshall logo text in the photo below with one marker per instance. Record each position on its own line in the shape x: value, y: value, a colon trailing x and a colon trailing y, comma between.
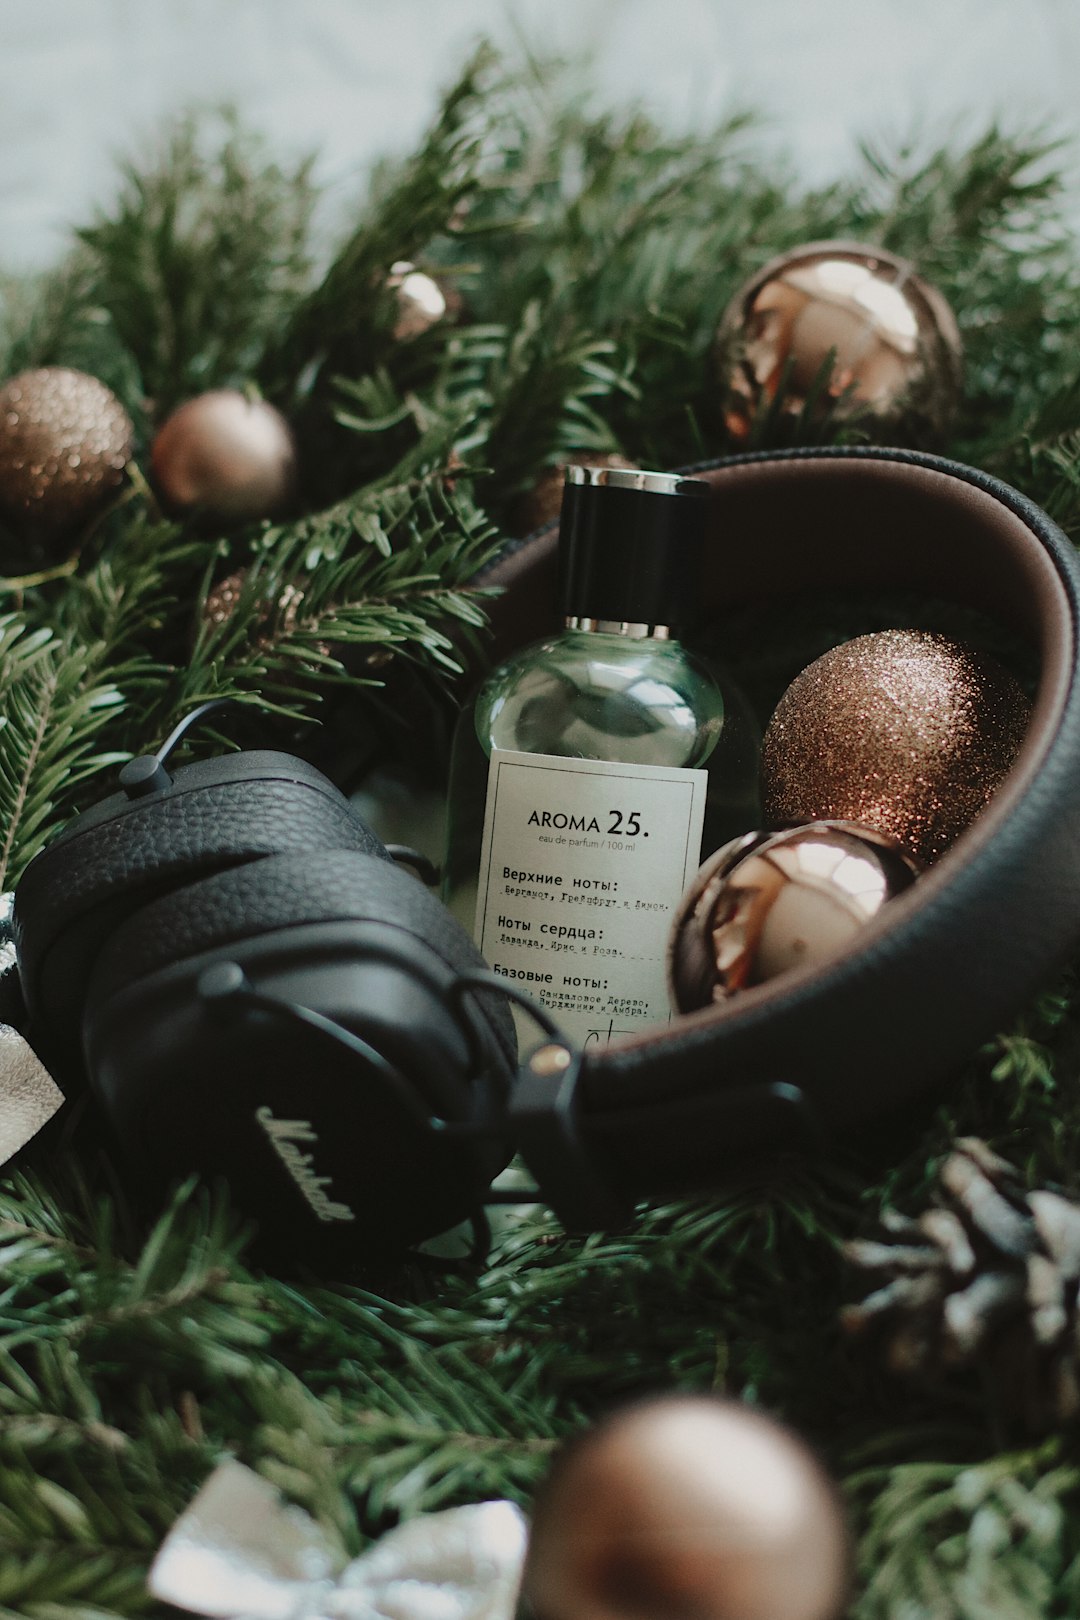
x: 283, y: 1135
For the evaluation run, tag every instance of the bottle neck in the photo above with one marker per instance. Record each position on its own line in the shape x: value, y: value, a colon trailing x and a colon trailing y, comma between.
x: 620, y: 627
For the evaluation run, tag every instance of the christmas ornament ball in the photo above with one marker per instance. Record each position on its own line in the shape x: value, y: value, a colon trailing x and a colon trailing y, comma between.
x: 769, y: 902
x: 686, y: 1505
x: 65, y: 440
x: 225, y: 454
x: 897, y: 356
x: 904, y: 731
x: 420, y: 301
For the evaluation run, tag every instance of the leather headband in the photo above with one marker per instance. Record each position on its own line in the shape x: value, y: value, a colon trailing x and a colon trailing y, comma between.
x: 944, y: 964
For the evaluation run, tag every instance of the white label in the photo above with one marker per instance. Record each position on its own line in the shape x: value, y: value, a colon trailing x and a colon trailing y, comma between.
x: 583, y: 863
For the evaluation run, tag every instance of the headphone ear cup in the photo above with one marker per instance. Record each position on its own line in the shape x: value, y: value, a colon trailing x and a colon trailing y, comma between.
x: 335, y: 1153
x: 216, y: 815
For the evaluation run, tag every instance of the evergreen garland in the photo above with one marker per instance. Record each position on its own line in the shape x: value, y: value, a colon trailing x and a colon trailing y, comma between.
x: 595, y: 253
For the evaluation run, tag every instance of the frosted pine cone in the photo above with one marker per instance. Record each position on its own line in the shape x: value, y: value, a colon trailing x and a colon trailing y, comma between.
x: 987, y: 1278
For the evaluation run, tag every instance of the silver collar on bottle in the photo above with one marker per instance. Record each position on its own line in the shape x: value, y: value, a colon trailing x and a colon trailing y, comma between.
x: 620, y: 627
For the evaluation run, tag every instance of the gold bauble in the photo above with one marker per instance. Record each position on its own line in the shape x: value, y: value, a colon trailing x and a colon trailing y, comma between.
x: 897, y: 363
x: 222, y: 598
x: 65, y: 440
x: 906, y: 732
x: 687, y: 1505
x: 227, y: 455
x: 769, y: 902
x: 542, y: 503
x: 421, y: 301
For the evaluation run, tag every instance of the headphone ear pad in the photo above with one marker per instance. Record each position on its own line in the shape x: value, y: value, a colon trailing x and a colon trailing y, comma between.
x: 291, y: 1115
x: 288, y: 891
x: 218, y: 814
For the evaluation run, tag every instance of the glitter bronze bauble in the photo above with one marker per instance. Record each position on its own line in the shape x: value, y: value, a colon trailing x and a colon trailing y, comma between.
x: 686, y: 1505
x: 895, y: 345
x: 227, y: 455
x: 542, y: 503
x: 770, y: 902
x: 420, y: 301
x: 65, y: 440
x: 906, y: 732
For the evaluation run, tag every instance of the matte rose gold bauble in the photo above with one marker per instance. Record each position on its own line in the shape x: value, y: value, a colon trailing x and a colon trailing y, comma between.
x: 688, y: 1505
x: 897, y: 345
x: 905, y: 732
x: 225, y: 454
x: 769, y: 902
x: 65, y: 440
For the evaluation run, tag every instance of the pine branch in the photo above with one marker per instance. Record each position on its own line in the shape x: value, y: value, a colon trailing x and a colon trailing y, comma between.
x: 992, y: 1540
x: 55, y: 709
x: 344, y: 324
x: 386, y: 572
x: 200, y: 259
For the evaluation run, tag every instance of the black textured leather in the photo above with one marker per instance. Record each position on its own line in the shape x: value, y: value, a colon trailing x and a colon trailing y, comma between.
x: 288, y: 891
x: 86, y: 883
x: 943, y: 965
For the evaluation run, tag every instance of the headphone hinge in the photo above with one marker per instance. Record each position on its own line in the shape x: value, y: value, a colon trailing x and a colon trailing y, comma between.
x: 542, y: 1116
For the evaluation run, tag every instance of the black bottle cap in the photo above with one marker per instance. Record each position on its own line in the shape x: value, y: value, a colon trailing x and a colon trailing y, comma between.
x: 631, y: 545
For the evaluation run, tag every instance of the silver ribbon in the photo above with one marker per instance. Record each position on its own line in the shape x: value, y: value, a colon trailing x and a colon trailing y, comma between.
x: 29, y: 1096
x: 28, y: 1093
x: 239, y: 1553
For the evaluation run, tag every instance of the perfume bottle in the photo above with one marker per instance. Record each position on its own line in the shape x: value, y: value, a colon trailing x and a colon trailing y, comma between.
x: 577, y: 792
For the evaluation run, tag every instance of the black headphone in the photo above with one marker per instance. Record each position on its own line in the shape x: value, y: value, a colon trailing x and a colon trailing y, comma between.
x: 257, y: 990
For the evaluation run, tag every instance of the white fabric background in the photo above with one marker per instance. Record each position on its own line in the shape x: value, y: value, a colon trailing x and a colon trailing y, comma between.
x: 83, y: 79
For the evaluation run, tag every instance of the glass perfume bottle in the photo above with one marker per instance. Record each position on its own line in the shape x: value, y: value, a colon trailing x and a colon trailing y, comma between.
x: 577, y: 791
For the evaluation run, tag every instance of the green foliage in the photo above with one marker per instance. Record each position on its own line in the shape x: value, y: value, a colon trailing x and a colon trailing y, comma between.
x: 594, y: 254
x: 200, y: 261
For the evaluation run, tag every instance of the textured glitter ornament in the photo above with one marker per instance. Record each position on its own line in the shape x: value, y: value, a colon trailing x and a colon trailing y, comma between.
x: 895, y: 342
x: 543, y: 502
x: 906, y: 732
x: 65, y: 440
x: 769, y: 902
x: 227, y: 455
x: 687, y: 1505
x: 222, y: 599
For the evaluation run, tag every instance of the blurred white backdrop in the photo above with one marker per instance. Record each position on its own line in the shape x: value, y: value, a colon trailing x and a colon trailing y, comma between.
x: 83, y: 80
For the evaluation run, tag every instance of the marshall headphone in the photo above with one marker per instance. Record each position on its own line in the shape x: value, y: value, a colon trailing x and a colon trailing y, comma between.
x: 256, y: 990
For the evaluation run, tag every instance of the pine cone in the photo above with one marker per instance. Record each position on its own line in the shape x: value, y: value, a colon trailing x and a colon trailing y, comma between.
x: 987, y: 1279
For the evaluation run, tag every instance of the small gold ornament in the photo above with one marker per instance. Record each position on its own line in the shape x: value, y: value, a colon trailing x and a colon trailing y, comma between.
x: 770, y: 902
x: 420, y: 300
x: 227, y: 455
x: 897, y: 349
x: 687, y: 1505
x: 223, y: 597
x: 65, y: 440
x: 905, y: 732
x: 542, y: 503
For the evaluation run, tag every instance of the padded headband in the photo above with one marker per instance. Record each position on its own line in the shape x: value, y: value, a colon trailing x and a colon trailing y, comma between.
x: 943, y: 964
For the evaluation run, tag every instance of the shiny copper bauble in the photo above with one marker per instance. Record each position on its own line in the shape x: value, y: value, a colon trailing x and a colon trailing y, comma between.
x: 543, y: 502
x: 65, y: 440
x: 769, y: 902
x: 688, y: 1505
x: 906, y: 732
x: 421, y: 301
x: 897, y: 360
x: 227, y: 455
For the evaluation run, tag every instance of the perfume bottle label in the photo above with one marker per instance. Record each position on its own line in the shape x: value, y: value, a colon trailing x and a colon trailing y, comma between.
x: 583, y: 863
